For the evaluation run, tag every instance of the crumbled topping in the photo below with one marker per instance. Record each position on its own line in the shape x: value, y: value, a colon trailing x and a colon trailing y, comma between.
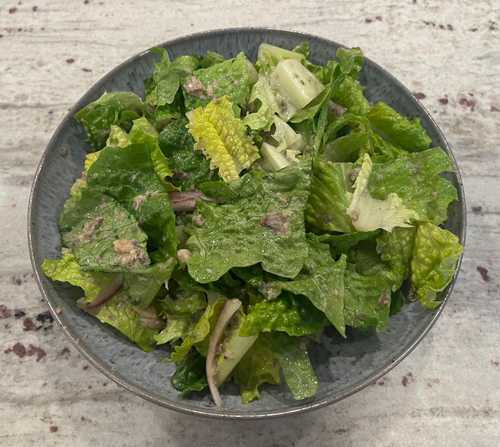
x: 130, y: 252
x: 278, y: 222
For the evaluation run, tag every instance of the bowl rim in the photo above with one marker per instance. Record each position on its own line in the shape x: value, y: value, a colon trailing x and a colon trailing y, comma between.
x: 215, y: 413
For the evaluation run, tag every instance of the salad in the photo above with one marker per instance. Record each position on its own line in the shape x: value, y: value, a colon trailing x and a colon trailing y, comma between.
x: 239, y: 210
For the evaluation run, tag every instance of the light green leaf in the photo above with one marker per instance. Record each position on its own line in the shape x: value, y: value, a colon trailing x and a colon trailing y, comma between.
x: 435, y: 257
x: 199, y: 332
x: 120, y: 314
x: 67, y: 269
x: 222, y: 137
x: 368, y: 213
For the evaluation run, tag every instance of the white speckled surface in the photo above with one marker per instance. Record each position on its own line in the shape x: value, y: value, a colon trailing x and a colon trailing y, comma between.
x: 49, y: 56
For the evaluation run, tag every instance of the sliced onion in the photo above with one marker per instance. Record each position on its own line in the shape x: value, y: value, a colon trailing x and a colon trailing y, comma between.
x: 184, y: 201
x: 227, y: 312
x: 106, y: 294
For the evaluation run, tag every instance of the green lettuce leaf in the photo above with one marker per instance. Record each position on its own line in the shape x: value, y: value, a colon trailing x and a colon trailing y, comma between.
x: 189, y: 374
x: 350, y: 61
x: 330, y: 196
x: 232, y: 78
x: 119, y: 313
x: 143, y: 132
x: 368, y: 213
x: 199, y: 332
x: 342, y: 243
x: 143, y: 287
x: 398, y: 130
x: 167, y: 77
x: 129, y: 176
x: 178, y: 326
x: 264, y: 225
x: 416, y: 180
x: 119, y: 108
x: 222, y: 137
x: 189, y: 166
x: 435, y: 256
x: 108, y: 239
x: 321, y: 281
x: 210, y: 58
x: 117, y: 138
x: 67, y: 269
x: 294, y: 361
x: 396, y: 249
x: 257, y: 367
x: 288, y: 313
x: 349, y: 94
x: 367, y: 300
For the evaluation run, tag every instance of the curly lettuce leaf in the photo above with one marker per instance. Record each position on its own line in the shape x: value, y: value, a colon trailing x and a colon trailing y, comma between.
x: 350, y: 61
x: 416, y: 180
x: 288, y: 313
x: 108, y: 239
x: 119, y: 313
x: 265, y: 224
x: 222, y: 137
x: 67, y: 269
x: 232, y: 78
x: 258, y: 366
x: 117, y: 138
x: 435, y: 256
x: 367, y: 300
x: 162, y: 87
x: 117, y: 108
x: 294, y: 360
x: 190, y: 374
x: 199, y: 332
x: 396, y: 249
x: 129, y: 176
x: 189, y: 166
x: 397, y: 129
x: 349, y: 94
x: 368, y: 213
x: 330, y: 196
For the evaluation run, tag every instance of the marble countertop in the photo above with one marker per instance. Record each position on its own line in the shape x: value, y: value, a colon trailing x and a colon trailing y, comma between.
x: 446, y: 393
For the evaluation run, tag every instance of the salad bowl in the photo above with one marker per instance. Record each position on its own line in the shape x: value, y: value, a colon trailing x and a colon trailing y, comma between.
x: 344, y: 366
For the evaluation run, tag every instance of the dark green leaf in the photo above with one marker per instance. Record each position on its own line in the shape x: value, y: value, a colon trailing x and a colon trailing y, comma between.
x: 119, y: 108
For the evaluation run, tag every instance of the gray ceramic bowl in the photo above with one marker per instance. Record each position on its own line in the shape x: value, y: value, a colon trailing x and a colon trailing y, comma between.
x: 343, y: 366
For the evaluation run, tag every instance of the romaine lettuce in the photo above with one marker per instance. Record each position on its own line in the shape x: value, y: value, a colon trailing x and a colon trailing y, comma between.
x: 222, y: 137
x: 435, y: 256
